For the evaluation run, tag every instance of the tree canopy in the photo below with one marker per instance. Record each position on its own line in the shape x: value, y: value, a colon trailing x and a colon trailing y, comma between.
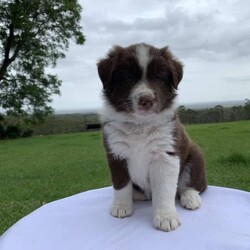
x: 33, y: 36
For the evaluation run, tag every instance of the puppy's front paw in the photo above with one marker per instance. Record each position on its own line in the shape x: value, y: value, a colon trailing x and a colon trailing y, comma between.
x: 121, y: 210
x: 166, y: 221
x: 191, y: 199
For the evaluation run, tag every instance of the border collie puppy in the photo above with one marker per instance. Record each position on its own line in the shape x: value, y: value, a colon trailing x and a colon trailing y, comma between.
x: 149, y: 154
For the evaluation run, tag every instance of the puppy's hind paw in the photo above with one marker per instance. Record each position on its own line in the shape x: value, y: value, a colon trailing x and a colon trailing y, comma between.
x: 191, y: 199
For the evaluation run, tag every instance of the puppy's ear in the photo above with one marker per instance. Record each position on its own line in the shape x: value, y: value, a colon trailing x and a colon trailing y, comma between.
x: 177, y: 72
x: 175, y: 65
x: 104, y: 70
x: 105, y: 66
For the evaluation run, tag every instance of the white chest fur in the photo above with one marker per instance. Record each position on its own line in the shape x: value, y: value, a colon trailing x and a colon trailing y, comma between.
x: 139, y: 143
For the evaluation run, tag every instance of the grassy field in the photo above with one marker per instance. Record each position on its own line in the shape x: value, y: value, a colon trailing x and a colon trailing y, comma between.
x: 38, y: 170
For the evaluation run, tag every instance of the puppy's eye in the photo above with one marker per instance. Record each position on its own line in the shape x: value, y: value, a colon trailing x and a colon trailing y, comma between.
x: 129, y: 78
x: 123, y: 76
x: 161, y: 77
x: 157, y: 79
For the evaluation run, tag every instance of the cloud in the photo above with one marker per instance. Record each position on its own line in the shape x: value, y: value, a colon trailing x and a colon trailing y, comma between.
x: 209, y: 33
x: 210, y: 37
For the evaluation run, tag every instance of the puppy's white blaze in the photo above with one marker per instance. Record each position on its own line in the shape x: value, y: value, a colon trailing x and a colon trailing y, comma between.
x: 142, y: 54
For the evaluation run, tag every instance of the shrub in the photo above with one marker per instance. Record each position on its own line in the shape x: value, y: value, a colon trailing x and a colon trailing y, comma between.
x: 234, y: 159
x: 237, y: 158
x: 27, y: 133
x: 2, y: 132
x: 13, y: 131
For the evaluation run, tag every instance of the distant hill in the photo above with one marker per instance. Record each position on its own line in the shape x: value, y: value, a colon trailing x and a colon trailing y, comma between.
x: 204, y: 105
x: 77, y: 111
x: 198, y: 105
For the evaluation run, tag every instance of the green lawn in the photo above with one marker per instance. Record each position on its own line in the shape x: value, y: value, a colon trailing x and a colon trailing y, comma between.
x: 38, y: 170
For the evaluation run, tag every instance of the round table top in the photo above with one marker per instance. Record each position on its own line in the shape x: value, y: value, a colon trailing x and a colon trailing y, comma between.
x: 83, y: 221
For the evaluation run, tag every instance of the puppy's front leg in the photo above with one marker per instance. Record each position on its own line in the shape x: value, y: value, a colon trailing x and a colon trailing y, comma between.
x: 164, y: 173
x: 123, y: 189
x: 122, y: 202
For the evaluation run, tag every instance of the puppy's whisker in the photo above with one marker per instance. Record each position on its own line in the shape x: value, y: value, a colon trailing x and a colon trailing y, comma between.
x: 124, y: 104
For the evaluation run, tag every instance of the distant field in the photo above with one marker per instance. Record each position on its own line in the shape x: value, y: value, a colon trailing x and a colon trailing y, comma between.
x: 38, y: 170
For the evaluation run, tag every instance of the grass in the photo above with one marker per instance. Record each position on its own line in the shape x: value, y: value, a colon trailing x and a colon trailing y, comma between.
x: 37, y: 170
x: 227, y: 151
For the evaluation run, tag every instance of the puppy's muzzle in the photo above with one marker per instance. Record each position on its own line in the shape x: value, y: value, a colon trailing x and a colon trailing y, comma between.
x: 145, y: 102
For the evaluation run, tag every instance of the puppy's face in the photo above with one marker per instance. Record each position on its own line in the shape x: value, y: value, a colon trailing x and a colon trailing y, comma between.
x: 140, y: 79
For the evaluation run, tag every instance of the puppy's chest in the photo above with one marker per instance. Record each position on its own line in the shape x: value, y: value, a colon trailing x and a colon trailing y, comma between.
x: 138, y: 143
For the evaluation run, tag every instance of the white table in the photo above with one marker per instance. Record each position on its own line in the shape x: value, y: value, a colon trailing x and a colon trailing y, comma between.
x: 82, y: 222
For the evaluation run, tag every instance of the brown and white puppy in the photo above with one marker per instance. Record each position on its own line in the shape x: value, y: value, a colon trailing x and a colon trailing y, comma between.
x: 149, y: 154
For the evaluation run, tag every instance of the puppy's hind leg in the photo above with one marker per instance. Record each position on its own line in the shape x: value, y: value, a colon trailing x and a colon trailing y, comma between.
x: 192, y: 180
x: 138, y: 194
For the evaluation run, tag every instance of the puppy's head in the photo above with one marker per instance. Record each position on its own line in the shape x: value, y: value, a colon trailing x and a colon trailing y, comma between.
x: 140, y: 79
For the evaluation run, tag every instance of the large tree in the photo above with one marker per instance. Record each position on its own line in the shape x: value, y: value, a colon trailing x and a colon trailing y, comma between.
x: 33, y: 35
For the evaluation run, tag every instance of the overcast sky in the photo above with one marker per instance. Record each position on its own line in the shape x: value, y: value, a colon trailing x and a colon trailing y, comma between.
x: 211, y: 38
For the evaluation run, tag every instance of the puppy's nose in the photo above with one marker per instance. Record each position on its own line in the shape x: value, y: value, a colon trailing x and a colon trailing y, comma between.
x: 146, y: 102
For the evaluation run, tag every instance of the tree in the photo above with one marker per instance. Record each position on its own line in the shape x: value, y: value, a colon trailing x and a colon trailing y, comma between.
x: 212, y: 115
x: 183, y: 114
x: 236, y: 113
x: 191, y: 116
x: 247, y: 109
x: 220, y: 109
x: 34, y: 34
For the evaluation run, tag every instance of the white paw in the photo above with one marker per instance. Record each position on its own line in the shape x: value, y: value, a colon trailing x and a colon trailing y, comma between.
x: 121, y: 210
x: 191, y: 199
x: 138, y: 196
x: 166, y: 221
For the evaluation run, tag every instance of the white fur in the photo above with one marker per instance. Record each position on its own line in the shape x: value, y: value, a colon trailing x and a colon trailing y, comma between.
x: 141, y: 89
x: 164, y: 174
x: 138, y: 142
x: 190, y: 199
x: 142, y: 54
x: 109, y: 114
x: 143, y: 141
x: 139, y: 196
x: 122, y: 204
x: 166, y: 221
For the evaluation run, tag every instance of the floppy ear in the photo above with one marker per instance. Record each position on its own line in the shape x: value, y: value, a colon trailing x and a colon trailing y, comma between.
x: 105, y: 70
x: 105, y: 66
x: 175, y: 65
x: 177, y: 72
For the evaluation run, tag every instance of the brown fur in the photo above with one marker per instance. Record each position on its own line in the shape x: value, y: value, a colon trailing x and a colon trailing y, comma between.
x: 163, y: 69
x: 118, y: 169
x: 191, y: 154
x: 164, y: 74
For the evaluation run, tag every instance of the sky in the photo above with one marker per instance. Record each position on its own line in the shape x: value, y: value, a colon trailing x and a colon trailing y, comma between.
x: 210, y: 37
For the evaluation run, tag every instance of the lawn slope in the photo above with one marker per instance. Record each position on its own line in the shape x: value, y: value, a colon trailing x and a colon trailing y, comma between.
x: 37, y: 170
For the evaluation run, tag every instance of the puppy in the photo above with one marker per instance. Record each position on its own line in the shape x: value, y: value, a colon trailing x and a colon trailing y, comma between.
x: 150, y: 156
